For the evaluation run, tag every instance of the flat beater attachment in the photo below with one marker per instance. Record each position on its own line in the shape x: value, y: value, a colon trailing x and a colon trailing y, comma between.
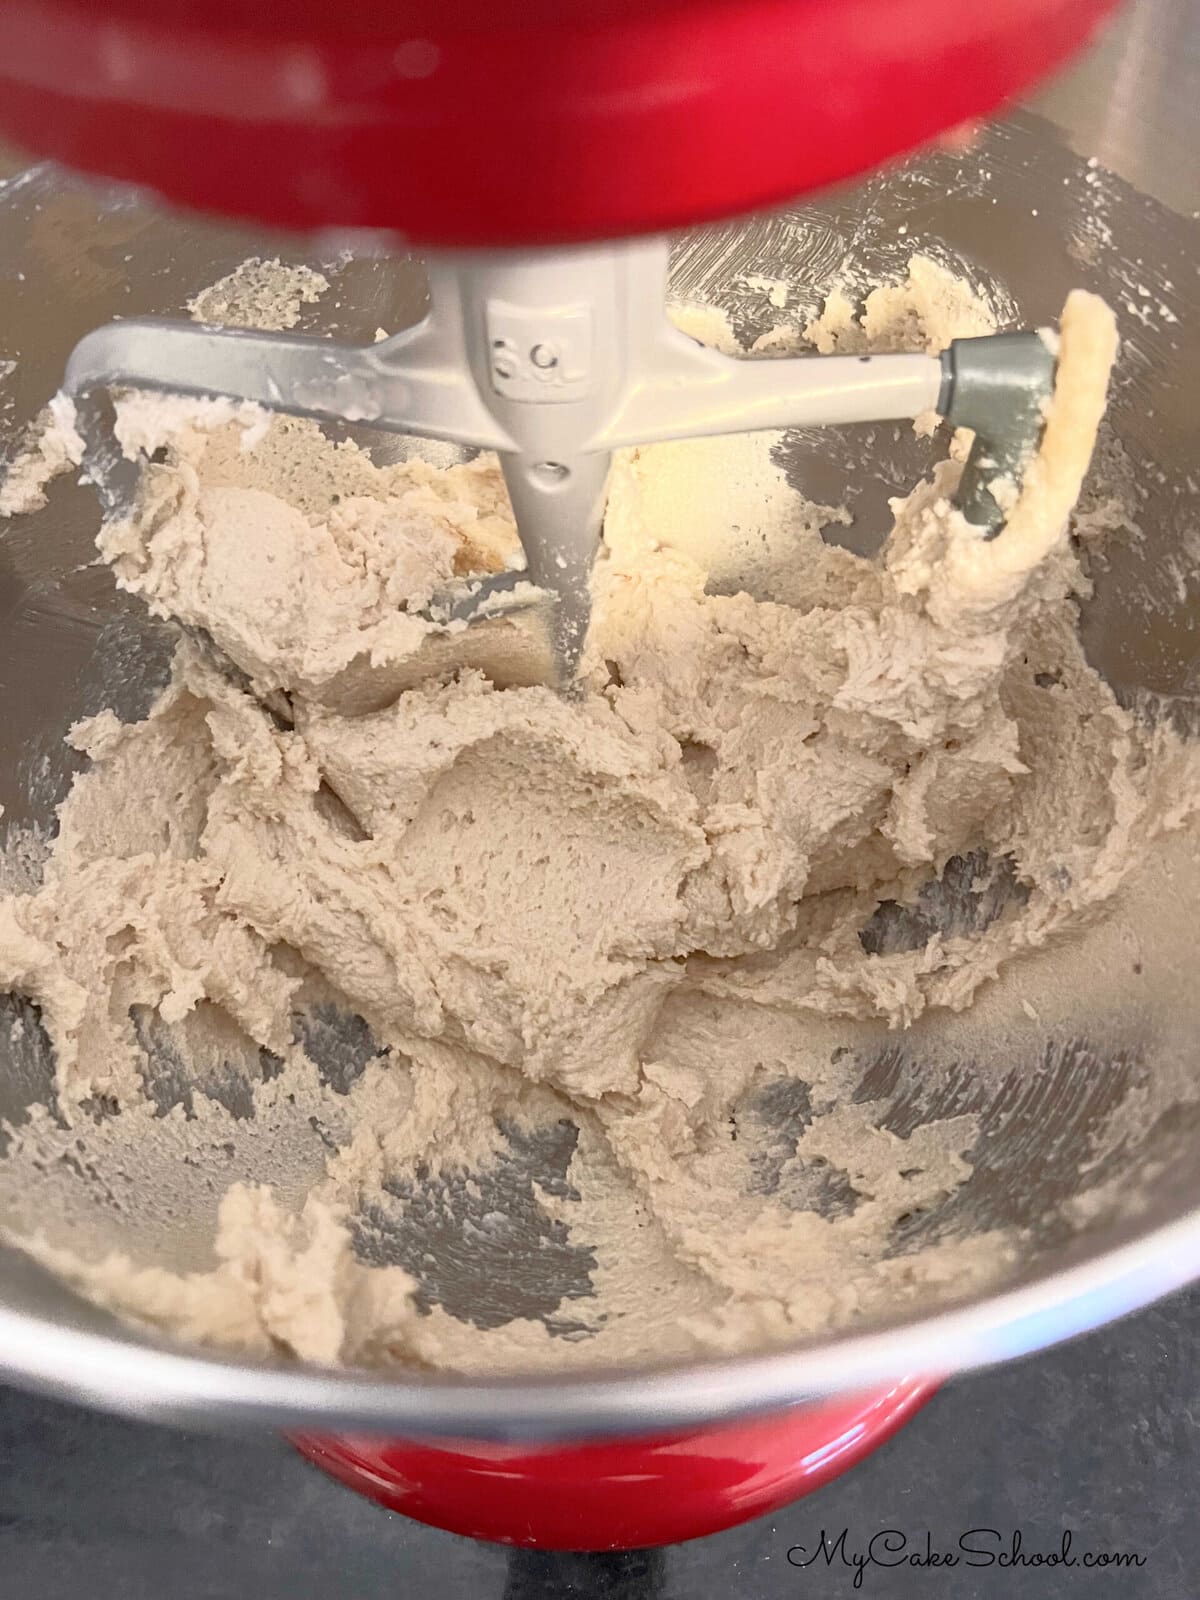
x: 554, y: 359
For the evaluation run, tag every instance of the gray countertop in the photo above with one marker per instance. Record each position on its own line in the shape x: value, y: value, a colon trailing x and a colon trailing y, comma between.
x: 1099, y: 1436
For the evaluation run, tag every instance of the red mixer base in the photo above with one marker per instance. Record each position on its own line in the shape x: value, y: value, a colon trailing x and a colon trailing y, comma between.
x: 620, y: 1493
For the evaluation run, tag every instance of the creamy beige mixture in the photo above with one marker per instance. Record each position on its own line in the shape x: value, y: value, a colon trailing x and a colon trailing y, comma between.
x: 634, y: 914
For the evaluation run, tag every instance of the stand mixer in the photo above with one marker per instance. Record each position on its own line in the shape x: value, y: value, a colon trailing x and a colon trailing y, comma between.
x: 688, y: 113
x: 550, y: 353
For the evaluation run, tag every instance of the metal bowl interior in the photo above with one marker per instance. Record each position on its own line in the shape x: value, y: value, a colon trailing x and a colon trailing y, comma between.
x: 1084, y: 1089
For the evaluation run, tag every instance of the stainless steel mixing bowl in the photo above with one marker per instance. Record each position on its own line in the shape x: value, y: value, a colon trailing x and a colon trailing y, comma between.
x: 1088, y: 1113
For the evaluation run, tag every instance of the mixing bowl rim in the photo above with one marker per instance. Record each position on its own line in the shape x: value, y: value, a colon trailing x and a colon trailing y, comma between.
x: 192, y: 1385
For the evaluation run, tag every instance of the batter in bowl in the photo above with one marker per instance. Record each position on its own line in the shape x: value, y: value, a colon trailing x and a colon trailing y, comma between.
x: 629, y: 917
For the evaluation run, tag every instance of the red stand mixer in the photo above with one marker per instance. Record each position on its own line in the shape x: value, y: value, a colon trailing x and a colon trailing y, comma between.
x: 531, y: 140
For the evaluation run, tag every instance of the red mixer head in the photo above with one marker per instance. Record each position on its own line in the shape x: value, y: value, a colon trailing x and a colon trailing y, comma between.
x: 484, y: 122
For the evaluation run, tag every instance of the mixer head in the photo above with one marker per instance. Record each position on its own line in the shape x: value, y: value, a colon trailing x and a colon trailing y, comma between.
x: 475, y: 124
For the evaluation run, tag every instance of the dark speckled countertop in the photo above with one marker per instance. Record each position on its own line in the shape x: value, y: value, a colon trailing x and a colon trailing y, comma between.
x: 1099, y: 1436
